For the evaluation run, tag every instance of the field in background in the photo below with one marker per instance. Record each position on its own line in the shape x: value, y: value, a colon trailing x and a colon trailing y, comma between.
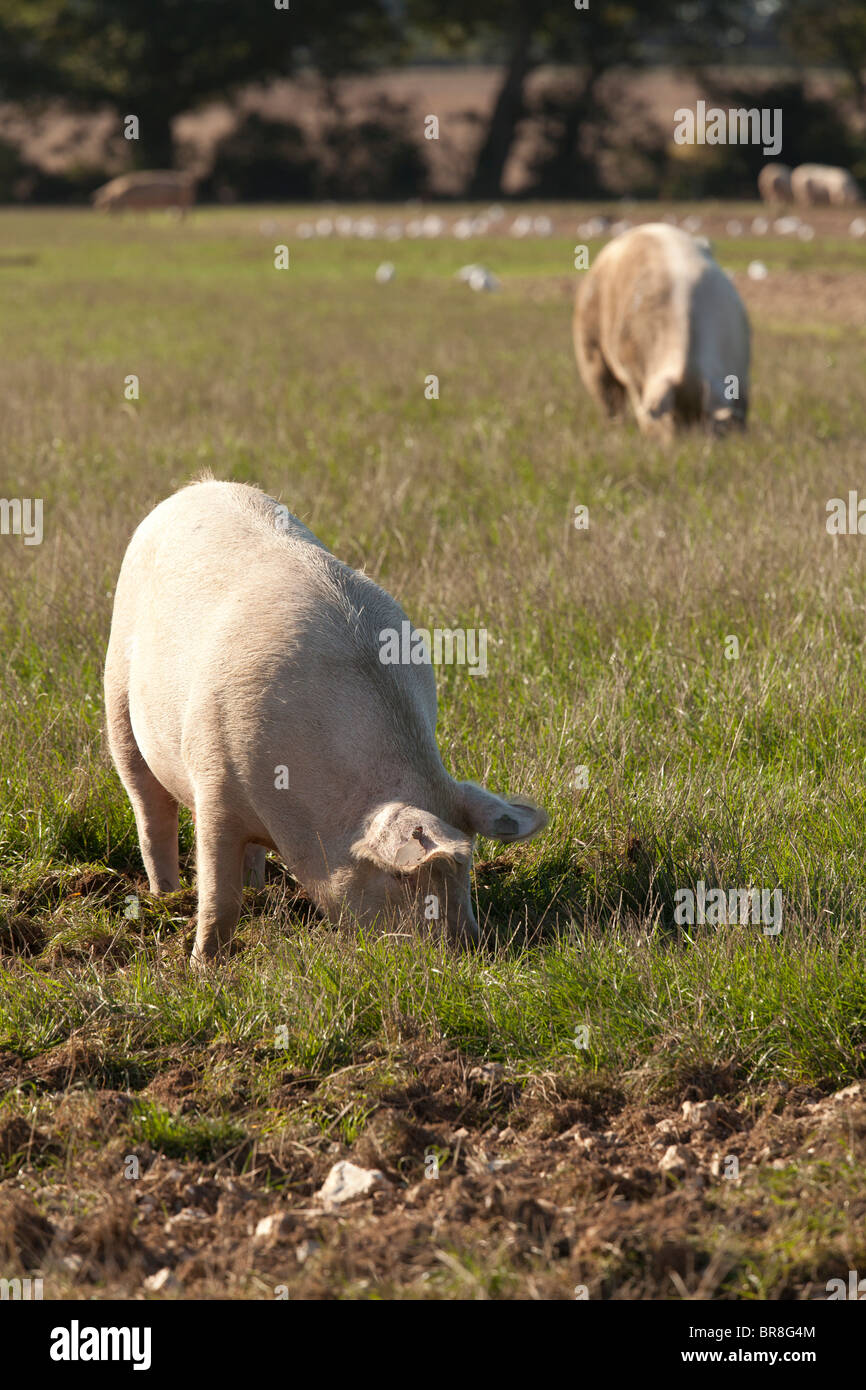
x: 607, y: 652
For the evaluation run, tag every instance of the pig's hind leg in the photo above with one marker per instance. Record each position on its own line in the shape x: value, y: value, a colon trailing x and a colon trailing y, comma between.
x: 254, y: 866
x: 595, y: 373
x: 154, y: 808
x: 220, y: 845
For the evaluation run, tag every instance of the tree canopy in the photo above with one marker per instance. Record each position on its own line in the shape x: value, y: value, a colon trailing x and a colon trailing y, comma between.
x: 158, y: 59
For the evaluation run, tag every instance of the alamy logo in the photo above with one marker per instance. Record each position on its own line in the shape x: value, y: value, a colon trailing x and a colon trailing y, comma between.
x: 446, y: 646
x: 737, y: 126
x: 715, y: 907
x: 854, y: 1291
x: 22, y: 516
x: 846, y: 519
x: 76, y: 1343
x: 20, y: 1289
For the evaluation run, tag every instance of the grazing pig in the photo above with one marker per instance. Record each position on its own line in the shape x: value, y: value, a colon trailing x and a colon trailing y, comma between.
x: 658, y: 323
x: 243, y: 679
x: 821, y: 185
x: 143, y: 191
x: 774, y: 183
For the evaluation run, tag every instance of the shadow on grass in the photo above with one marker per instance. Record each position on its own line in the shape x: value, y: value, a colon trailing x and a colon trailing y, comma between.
x: 526, y: 904
x: 179, y: 1136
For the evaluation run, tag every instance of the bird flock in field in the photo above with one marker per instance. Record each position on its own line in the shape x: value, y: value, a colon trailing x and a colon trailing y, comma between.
x: 432, y: 226
x: 478, y: 277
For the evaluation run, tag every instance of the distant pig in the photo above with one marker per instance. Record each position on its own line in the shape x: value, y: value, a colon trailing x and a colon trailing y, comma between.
x: 658, y: 324
x: 823, y: 185
x: 243, y: 680
x: 161, y: 188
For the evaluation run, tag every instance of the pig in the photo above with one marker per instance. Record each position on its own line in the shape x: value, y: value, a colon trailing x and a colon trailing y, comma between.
x: 817, y: 185
x: 161, y: 188
x: 774, y: 183
x: 244, y: 680
x: 659, y: 324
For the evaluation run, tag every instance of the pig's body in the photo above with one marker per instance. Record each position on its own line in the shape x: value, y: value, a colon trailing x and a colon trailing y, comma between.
x: 143, y: 191
x: 823, y: 185
x: 240, y: 646
x: 658, y: 324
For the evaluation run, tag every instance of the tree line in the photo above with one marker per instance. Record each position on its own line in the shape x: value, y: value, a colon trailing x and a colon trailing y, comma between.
x: 167, y: 57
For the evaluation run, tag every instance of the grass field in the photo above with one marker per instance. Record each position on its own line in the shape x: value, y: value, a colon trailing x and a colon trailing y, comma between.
x: 609, y: 651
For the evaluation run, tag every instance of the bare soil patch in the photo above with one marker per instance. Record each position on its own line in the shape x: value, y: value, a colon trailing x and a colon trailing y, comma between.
x: 555, y: 1186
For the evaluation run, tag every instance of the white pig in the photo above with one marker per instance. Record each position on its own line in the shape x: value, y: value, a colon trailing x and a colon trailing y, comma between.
x: 659, y: 325
x: 243, y: 680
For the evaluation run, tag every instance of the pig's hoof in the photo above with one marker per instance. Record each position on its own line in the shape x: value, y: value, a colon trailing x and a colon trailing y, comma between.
x: 201, y: 962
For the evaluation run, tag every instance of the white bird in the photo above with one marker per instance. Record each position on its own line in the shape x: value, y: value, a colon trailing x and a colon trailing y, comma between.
x: 858, y: 227
x: 385, y: 273
x: 477, y: 277
x: 595, y: 226
x: 482, y: 279
x: 757, y: 270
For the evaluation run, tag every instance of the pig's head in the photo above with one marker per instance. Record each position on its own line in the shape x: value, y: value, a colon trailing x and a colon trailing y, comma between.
x: 408, y: 860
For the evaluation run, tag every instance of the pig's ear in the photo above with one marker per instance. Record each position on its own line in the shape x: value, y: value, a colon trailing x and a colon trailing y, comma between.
x: 400, y: 839
x: 500, y: 818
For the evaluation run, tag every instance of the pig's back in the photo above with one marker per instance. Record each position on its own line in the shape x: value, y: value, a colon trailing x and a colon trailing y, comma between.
x: 667, y: 304
x: 232, y: 619
x: 203, y: 567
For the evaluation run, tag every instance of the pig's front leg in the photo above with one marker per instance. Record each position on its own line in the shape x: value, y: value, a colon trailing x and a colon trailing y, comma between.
x: 220, y: 866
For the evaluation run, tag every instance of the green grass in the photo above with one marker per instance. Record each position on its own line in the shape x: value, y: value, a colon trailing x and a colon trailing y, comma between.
x: 177, y: 1137
x: 607, y: 650
x: 659, y: 1014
